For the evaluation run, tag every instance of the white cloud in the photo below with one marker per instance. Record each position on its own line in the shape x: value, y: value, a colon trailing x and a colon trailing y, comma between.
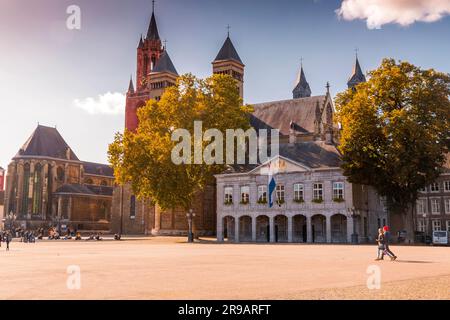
x: 108, y: 103
x: 404, y: 12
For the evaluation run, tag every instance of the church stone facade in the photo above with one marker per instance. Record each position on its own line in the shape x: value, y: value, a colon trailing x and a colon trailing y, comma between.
x: 48, y: 186
x: 306, y: 129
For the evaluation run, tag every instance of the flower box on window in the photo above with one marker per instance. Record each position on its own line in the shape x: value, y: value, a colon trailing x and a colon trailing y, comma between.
x: 299, y: 200
x: 228, y: 203
x: 244, y: 202
x: 317, y: 200
x: 262, y: 201
x: 280, y: 202
x: 338, y: 200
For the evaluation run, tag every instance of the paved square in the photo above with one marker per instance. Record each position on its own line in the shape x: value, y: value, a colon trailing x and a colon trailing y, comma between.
x: 169, y: 268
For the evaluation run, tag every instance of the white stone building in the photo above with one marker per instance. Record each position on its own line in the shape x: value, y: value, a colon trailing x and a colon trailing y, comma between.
x: 313, y: 200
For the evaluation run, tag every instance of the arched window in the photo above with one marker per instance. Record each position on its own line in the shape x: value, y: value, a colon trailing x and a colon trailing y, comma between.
x: 25, y: 189
x: 89, y: 181
x: 133, y: 207
x: 104, y: 183
x: 37, y: 189
x: 60, y: 174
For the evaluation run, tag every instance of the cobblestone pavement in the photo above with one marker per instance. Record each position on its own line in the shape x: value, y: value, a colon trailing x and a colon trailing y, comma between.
x: 169, y: 268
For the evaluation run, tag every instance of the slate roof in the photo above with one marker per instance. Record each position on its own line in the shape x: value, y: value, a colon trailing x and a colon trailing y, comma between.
x: 357, y: 75
x: 165, y: 64
x: 302, y: 88
x: 314, y: 155
x: 79, y: 189
x: 228, y: 52
x: 152, y: 32
x: 46, y: 142
x: 279, y: 114
x: 98, y: 169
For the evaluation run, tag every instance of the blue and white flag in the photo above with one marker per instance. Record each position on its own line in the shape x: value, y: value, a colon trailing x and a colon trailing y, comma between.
x: 272, y: 186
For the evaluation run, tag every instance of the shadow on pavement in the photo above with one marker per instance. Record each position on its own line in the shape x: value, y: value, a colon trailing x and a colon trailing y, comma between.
x: 413, y: 261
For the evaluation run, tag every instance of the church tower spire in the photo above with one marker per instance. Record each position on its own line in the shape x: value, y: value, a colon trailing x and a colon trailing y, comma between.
x: 228, y: 62
x: 357, y: 76
x: 149, y: 52
x: 152, y: 32
x: 302, y: 89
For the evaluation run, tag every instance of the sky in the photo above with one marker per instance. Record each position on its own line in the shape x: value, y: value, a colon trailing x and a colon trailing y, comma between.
x: 75, y: 79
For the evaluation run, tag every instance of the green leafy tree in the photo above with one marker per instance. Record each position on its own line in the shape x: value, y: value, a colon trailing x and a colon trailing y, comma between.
x: 144, y: 158
x: 395, y: 134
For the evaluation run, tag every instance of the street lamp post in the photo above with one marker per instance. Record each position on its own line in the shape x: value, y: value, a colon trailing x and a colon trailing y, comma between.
x: 353, y: 213
x: 190, y: 216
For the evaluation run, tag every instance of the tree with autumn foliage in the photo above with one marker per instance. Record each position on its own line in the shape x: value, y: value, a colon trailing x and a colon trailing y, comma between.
x: 395, y: 134
x: 143, y: 158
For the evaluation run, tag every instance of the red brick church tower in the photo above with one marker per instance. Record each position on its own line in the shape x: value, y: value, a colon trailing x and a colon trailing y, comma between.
x: 148, y: 52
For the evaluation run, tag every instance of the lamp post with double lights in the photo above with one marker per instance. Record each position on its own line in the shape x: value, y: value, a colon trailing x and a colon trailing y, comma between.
x: 190, y: 216
x: 353, y: 213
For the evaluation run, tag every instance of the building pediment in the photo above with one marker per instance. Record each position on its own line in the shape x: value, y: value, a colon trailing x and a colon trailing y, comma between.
x: 280, y: 164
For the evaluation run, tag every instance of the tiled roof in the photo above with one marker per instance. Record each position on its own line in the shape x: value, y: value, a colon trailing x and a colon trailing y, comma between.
x: 98, y: 169
x: 280, y: 114
x: 46, y: 142
x: 165, y: 64
x: 228, y: 52
x: 314, y: 155
x: 85, y: 190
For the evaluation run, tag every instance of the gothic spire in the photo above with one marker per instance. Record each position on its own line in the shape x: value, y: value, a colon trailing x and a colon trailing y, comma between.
x: 141, y: 43
x: 152, y: 33
x: 357, y: 75
x: 131, y: 86
x: 302, y: 89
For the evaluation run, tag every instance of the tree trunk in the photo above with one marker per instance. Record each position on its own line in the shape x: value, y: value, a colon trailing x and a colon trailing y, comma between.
x: 402, y: 220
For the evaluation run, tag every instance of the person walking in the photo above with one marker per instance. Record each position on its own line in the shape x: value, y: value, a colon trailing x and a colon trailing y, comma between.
x: 8, y: 240
x: 381, y: 245
x: 387, y: 239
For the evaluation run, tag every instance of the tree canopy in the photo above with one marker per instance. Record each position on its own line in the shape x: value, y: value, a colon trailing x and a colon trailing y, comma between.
x: 395, y: 130
x: 144, y: 158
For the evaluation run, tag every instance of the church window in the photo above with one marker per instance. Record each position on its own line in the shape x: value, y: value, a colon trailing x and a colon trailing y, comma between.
x: 26, y: 188
x: 60, y: 174
x: 37, y: 189
x: 298, y: 192
x: 318, y: 191
x: 338, y: 190
x: 245, y: 194
x: 228, y: 195
x: 133, y: 207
